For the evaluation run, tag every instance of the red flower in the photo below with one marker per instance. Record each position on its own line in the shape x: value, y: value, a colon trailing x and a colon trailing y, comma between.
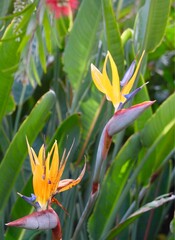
x: 62, y: 7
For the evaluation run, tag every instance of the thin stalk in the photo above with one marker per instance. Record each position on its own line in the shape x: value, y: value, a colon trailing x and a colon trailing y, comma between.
x: 18, y: 115
x: 81, y: 207
x: 132, y: 206
x: 134, y: 230
x: 79, y: 214
x: 85, y: 214
x: 56, y: 72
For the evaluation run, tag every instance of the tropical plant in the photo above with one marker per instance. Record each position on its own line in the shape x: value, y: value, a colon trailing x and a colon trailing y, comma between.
x: 96, y: 77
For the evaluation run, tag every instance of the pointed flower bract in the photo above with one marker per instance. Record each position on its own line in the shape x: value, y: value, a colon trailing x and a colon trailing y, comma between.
x: 47, y: 172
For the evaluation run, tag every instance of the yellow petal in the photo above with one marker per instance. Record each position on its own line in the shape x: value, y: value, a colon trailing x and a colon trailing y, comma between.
x: 106, y: 82
x: 127, y: 88
x: 41, y: 155
x: 32, y: 156
x: 97, y: 77
x: 66, y: 184
x: 55, y: 161
x: 115, y: 80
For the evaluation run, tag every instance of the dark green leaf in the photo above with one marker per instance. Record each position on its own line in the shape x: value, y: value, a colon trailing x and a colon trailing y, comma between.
x: 149, y: 206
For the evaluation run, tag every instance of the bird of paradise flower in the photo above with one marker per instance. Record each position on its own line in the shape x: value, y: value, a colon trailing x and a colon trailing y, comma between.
x: 47, y: 172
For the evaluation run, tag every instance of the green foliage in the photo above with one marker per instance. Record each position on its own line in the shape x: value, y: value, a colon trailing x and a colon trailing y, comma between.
x: 81, y: 43
x: 47, y: 94
x: 8, y: 65
x: 149, y: 30
x: 113, y: 39
x: 14, y: 158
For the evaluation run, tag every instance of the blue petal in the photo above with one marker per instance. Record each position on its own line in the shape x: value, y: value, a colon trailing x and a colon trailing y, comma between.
x: 129, y: 96
x: 31, y: 200
x: 37, y: 206
x: 128, y: 74
x: 120, y: 106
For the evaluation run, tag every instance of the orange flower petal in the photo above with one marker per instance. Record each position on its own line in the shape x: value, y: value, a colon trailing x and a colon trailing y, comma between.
x: 66, y: 184
x: 55, y: 161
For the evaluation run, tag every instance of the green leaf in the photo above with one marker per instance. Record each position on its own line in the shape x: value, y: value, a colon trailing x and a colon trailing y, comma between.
x: 93, y: 111
x: 114, y: 44
x: 150, y: 24
x: 10, y: 105
x: 9, y: 61
x: 160, y: 122
x: 149, y: 225
x: 47, y: 31
x: 149, y: 206
x: 105, y: 210
x: 158, y: 131
x: 35, y: 71
x: 142, y: 96
x: 60, y: 29
x: 17, y: 151
x: 82, y: 41
x: 8, y: 65
x: 42, y: 54
x: 68, y: 132
x: 4, y: 5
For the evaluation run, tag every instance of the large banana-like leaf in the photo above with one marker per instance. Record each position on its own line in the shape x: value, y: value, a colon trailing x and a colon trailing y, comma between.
x: 105, y: 210
x: 17, y: 151
x: 114, y: 44
x: 150, y: 24
x: 82, y: 41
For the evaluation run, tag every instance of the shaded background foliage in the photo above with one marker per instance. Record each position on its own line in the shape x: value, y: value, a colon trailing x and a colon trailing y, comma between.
x: 46, y: 93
